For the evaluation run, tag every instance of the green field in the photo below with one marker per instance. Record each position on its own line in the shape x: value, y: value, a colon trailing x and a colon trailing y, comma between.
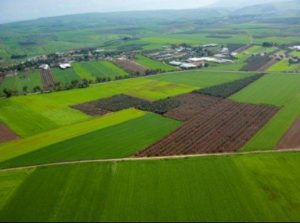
x: 261, y: 187
x: 295, y: 54
x: 100, y: 69
x: 64, y: 76
x: 155, y: 42
x: 117, y: 141
x: 284, y: 66
x: 153, y: 64
x: 29, y: 79
x: 22, y: 120
x: 281, y: 90
x: 200, y: 79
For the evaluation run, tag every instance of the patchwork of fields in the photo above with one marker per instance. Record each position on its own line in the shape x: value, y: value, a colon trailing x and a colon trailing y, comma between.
x: 48, y: 111
x: 123, y: 136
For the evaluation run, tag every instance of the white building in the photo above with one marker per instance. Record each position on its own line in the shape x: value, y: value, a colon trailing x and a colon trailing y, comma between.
x: 44, y: 67
x: 175, y: 63
x: 205, y: 59
x: 64, y: 66
x: 187, y: 66
x: 295, y: 48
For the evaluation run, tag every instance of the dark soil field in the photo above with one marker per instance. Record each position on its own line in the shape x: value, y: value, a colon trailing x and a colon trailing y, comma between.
x: 291, y: 140
x: 130, y: 66
x: 191, y: 105
x: 6, y: 134
x: 223, y: 127
x: 47, y: 78
x: 258, y: 63
x: 91, y: 108
x: 267, y: 65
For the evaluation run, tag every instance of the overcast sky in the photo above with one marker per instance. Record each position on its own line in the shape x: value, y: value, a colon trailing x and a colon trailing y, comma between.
x: 17, y: 10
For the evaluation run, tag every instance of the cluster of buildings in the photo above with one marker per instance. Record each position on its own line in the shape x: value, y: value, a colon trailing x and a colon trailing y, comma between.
x: 222, y: 57
x: 62, y: 66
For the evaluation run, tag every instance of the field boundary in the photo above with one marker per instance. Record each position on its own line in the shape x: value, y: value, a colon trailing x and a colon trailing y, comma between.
x: 150, y: 158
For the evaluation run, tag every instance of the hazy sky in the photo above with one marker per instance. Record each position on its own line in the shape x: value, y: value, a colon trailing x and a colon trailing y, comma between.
x: 16, y: 10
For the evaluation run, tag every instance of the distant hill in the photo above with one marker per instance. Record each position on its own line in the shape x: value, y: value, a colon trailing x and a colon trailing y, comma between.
x: 234, y: 4
x: 278, y: 9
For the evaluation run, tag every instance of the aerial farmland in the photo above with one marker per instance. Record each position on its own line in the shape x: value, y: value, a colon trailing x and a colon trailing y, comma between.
x: 187, y: 115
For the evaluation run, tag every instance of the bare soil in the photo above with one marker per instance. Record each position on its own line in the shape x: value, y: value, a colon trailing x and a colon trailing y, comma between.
x: 6, y: 134
x: 291, y: 140
x: 130, y: 66
x: 91, y: 108
x: 191, y: 105
x: 47, y: 78
x: 223, y: 127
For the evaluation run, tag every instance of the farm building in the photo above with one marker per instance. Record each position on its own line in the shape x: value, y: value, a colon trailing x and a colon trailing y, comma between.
x: 295, y: 48
x: 175, y: 63
x: 188, y: 66
x: 64, y: 66
x: 204, y: 59
x: 44, y: 67
x: 209, y: 59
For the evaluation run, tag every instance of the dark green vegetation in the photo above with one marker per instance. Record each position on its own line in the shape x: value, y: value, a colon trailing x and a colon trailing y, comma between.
x: 262, y: 187
x: 120, y: 102
x: 228, y: 89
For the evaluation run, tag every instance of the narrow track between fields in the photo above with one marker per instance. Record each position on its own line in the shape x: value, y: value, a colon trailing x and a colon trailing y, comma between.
x: 149, y: 159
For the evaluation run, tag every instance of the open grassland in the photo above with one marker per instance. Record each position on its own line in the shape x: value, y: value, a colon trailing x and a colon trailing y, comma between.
x: 47, y: 111
x: 27, y: 145
x: 261, y: 187
x: 117, y: 141
x: 200, y: 79
x: 281, y: 90
x: 152, y: 64
x: 29, y: 79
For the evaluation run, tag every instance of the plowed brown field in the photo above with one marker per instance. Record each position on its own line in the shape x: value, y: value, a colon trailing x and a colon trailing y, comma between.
x: 191, y: 105
x: 291, y: 139
x: 223, y: 127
